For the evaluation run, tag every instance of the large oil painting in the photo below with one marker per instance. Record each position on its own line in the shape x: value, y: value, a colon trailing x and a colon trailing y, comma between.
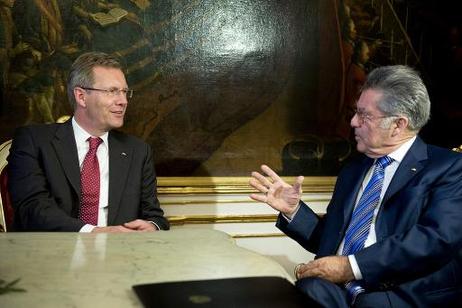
x: 221, y: 86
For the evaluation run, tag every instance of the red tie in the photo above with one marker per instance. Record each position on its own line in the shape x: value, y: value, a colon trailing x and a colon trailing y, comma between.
x: 89, y: 184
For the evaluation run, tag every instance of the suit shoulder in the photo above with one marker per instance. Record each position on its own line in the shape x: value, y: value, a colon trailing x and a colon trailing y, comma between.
x: 444, y: 159
x: 436, y: 152
x: 38, y: 131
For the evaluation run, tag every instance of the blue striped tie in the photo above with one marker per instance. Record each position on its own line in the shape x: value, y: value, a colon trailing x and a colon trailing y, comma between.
x: 361, y: 220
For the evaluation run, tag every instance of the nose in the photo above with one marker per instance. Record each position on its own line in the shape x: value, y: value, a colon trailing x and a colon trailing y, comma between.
x: 354, y: 121
x: 121, y: 99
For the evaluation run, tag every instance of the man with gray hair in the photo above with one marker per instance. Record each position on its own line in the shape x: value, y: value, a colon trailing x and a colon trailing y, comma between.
x: 82, y: 175
x: 391, y: 235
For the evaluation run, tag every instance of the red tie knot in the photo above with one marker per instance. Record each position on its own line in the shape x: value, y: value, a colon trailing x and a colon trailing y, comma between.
x: 94, y: 142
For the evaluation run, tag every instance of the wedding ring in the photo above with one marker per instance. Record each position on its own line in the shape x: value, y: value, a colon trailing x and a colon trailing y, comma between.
x: 296, y: 270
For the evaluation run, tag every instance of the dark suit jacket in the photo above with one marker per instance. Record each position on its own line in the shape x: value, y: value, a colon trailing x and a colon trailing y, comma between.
x: 44, y: 179
x: 418, y: 254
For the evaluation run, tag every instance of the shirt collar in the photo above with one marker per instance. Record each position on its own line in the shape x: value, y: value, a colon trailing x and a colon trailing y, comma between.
x: 400, y: 152
x: 81, y: 135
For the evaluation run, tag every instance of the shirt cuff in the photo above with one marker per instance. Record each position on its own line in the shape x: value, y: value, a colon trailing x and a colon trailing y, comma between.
x: 87, y: 228
x: 156, y: 225
x: 289, y: 218
x: 355, y: 267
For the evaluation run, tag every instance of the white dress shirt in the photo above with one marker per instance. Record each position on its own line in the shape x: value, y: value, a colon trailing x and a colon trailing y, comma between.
x: 102, y: 153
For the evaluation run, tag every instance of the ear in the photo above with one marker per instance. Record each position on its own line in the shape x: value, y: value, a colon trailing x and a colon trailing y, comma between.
x: 79, y: 95
x: 401, y: 124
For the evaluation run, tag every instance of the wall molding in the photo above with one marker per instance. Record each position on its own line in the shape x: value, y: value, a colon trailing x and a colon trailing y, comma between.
x: 213, y: 219
x: 233, y: 185
x: 203, y: 201
x: 223, y: 203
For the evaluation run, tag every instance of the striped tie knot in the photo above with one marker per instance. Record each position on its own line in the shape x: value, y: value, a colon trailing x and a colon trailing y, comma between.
x: 384, y: 161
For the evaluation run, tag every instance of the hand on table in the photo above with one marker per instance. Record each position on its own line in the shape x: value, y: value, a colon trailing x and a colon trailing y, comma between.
x: 111, y: 229
x: 132, y: 226
x: 140, y: 225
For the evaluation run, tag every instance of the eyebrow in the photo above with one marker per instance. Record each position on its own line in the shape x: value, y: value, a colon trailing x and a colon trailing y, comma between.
x: 116, y: 88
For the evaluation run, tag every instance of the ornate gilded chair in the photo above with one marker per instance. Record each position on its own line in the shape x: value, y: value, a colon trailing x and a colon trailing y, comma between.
x: 6, y: 209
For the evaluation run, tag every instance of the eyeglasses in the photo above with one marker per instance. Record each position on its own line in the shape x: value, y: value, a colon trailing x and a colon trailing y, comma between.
x: 112, y: 92
x: 364, y: 116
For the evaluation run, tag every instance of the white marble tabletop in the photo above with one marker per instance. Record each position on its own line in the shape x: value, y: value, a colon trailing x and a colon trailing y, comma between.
x: 98, y: 270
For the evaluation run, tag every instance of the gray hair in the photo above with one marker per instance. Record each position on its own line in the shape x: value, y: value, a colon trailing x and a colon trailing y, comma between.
x: 81, y: 74
x: 403, y: 94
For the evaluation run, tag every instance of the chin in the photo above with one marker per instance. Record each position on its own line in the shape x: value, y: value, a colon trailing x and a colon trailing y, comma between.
x: 117, y: 124
x: 360, y: 148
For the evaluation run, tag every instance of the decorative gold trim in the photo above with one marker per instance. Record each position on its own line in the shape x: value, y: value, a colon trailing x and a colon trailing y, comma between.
x: 63, y: 118
x: 235, y: 185
x: 212, y: 219
x: 459, y: 149
x: 225, y: 201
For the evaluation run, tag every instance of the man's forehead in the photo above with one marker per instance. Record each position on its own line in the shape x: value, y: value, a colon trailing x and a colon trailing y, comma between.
x: 369, y: 99
x: 100, y: 69
x: 108, y: 74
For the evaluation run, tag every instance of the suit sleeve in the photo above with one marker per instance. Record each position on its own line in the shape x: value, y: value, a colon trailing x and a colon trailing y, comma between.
x: 150, y: 206
x: 320, y: 234
x: 432, y: 242
x: 306, y: 228
x: 34, y: 206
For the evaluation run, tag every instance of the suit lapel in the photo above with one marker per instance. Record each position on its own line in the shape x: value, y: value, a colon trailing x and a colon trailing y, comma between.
x: 66, y: 151
x: 411, y: 165
x: 413, y: 162
x: 119, y: 162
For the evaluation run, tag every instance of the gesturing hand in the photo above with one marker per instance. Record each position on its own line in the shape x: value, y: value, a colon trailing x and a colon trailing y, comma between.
x: 275, y: 192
